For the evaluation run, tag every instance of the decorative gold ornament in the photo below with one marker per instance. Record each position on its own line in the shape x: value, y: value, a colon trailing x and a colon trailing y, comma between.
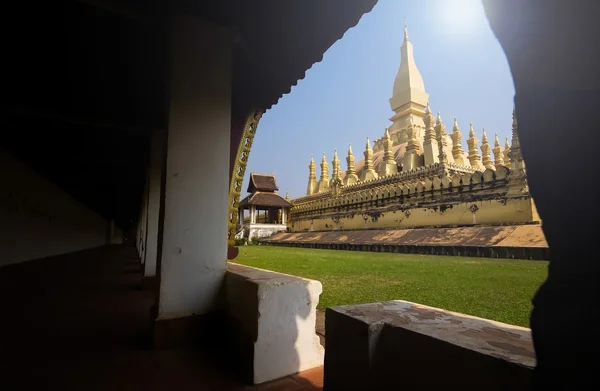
x: 239, y: 169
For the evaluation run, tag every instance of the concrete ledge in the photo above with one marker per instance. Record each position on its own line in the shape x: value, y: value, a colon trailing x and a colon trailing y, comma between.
x: 272, y: 317
x: 398, y: 344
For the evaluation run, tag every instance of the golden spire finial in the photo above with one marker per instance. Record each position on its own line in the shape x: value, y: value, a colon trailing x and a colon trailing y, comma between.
x: 457, y: 152
x: 473, y: 156
x: 386, y: 134
x: 324, y: 168
x: 335, y: 156
x: 287, y: 194
x: 368, y: 169
x: 439, y: 118
x: 486, y: 158
x: 498, y: 155
x: 351, y: 171
x: 405, y: 30
x: 312, y: 176
x: 506, y: 153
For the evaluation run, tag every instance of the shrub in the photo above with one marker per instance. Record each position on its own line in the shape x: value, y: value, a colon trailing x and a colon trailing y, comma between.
x: 255, y: 240
x: 240, y: 242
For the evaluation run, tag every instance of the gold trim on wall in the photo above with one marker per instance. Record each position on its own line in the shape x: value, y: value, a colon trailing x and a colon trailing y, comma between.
x: 239, y: 170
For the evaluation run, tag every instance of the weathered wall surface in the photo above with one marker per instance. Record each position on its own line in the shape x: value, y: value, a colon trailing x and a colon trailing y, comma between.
x: 399, y: 344
x: 526, y: 236
x: 38, y: 219
x: 273, y: 317
x: 506, y: 211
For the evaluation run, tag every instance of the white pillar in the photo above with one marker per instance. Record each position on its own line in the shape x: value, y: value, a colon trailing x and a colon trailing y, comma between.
x: 283, y: 215
x: 194, y: 252
x: 145, y: 221
x: 154, y: 191
x: 252, y: 214
x: 142, y: 227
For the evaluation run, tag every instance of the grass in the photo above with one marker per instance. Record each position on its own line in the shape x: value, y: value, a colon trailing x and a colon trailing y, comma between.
x: 498, y: 289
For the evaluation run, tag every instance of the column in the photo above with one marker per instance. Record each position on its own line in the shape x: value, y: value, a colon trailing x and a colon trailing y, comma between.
x: 283, y: 215
x: 252, y: 214
x: 153, y: 210
x: 241, y: 217
x: 194, y: 246
x: 145, y: 221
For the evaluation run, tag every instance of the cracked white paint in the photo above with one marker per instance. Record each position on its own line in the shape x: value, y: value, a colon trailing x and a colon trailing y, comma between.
x: 278, y: 312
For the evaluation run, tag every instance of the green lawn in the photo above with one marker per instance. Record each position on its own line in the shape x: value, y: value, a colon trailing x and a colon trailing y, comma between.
x: 499, y: 289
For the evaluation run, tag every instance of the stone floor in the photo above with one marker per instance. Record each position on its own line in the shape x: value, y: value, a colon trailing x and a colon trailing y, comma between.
x: 81, y: 322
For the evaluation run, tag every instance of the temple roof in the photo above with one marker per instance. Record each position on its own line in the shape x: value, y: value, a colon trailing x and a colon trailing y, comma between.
x: 265, y: 199
x: 262, y: 182
x: 399, y: 150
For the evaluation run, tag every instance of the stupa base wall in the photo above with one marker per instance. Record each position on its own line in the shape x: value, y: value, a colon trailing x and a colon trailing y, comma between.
x: 510, y: 241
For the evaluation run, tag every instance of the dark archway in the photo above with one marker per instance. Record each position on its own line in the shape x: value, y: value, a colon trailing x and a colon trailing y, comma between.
x: 550, y: 49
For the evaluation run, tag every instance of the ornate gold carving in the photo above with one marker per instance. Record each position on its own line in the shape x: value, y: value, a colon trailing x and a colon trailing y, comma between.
x: 239, y: 169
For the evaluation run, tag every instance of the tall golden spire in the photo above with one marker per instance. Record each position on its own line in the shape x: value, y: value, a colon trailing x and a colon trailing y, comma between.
x: 368, y: 171
x: 388, y: 166
x: 472, y: 142
x: 498, y: 156
x: 410, y: 160
x: 506, y: 153
x: 457, y: 151
x: 409, y: 97
x: 351, y: 176
x: 485, y: 152
x: 312, y: 177
x: 287, y: 195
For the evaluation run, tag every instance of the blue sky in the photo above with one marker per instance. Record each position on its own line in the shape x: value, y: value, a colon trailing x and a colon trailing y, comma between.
x: 344, y: 98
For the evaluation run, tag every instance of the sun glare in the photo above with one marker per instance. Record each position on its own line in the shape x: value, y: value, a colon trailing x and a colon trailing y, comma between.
x: 461, y: 17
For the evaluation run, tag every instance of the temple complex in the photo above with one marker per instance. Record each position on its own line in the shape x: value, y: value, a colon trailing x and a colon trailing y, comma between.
x: 417, y: 174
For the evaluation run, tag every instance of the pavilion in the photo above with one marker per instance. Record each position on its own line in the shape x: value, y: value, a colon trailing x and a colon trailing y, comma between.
x: 263, y: 197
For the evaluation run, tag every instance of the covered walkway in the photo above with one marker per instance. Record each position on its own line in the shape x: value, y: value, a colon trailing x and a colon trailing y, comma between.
x: 81, y: 322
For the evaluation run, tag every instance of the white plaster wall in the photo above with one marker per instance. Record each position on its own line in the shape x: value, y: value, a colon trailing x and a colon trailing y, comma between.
x: 153, y: 205
x: 38, y: 219
x: 195, y: 226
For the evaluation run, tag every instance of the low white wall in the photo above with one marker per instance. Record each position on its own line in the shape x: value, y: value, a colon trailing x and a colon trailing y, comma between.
x: 37, y: 219
x: 276, y: 314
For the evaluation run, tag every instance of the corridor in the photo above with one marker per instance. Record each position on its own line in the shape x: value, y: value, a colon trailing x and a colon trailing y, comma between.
x: 81, y: 322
